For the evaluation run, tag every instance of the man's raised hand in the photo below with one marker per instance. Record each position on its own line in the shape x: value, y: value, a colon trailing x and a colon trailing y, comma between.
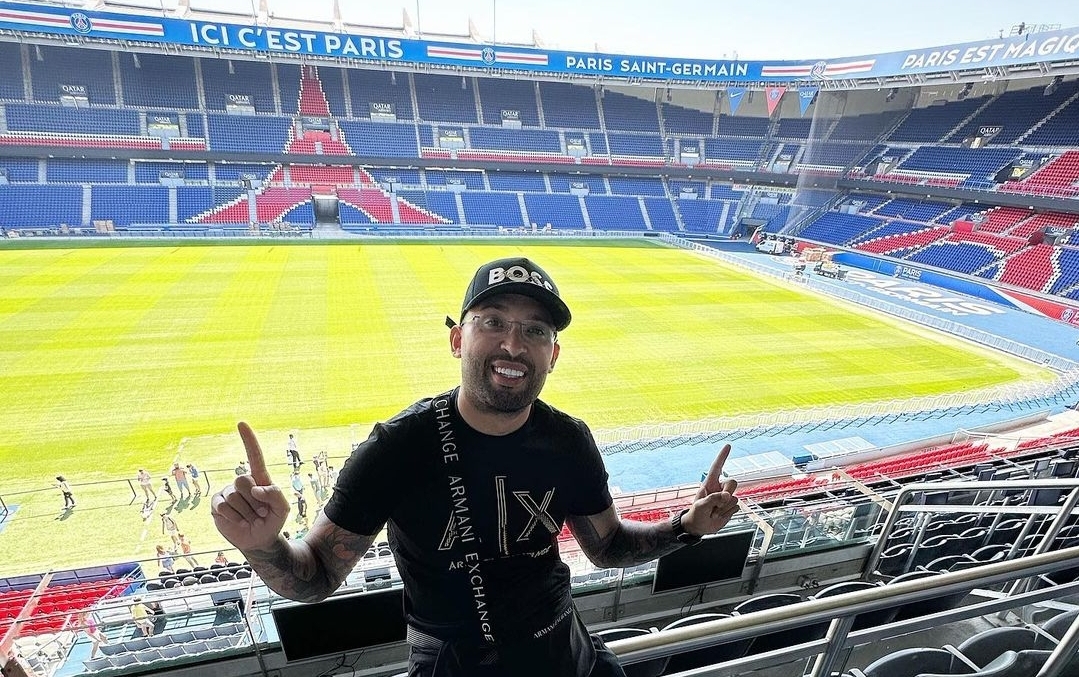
x: 715, y: 502
x: 251, y: 512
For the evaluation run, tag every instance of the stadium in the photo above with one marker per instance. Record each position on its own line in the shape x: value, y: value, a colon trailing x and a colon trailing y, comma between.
x: 861, y: 272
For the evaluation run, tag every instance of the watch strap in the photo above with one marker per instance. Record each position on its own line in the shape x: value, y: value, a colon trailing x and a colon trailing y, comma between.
x: 680, y: 532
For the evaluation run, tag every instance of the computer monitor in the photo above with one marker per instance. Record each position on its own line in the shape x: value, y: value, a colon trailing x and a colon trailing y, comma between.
x: 1063, y: 468
x: 377, y: 574
x: 340, y: 624
x: 716, y: 558
x: 936, y: 498
x: 1040, y: 466
x: 228, y: 597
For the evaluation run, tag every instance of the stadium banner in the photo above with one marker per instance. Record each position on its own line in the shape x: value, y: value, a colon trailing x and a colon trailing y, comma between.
x: 734, y: 97
x: 163, y: 124
x: 882, y: 278
x: 579, y: 188
x: 1054, y: 310
x: 239, y: 104
x: 3, y: 176
x: 575, y: 146
x: 688, y: 193
x: 251, y: 180
x: 382, y: 110
x: 689, y: 153
x: 805, y: 97
x: 511, y: 118
x: 774, y: 96
x: 1032, y: 48
x: 171, y: 177
x: 450, y: 137
x: 74, y: 95
x: 315, y: 122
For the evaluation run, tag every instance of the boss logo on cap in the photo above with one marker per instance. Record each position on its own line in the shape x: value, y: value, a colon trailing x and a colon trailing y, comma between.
x: 517, y: 274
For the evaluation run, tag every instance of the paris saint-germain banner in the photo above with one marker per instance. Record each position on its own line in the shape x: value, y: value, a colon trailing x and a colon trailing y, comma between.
x: 1049, y: 46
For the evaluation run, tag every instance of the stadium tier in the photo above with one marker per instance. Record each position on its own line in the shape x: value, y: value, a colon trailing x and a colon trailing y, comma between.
x: 275, y: 111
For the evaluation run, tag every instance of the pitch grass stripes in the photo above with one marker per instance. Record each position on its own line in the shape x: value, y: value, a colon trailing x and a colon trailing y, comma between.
x: 113, y: 356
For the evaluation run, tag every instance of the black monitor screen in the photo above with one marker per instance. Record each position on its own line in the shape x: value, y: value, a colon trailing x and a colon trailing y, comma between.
x: 1063, y: 469
x: 379, y: 574
x: 340, y: 624
x: 936, y: 498
x: 716, y: 558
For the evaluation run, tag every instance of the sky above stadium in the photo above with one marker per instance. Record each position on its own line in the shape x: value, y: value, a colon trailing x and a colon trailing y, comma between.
x: 753, y: 29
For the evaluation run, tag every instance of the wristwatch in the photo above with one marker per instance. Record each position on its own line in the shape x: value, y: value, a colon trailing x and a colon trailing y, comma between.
x: 680, y: 532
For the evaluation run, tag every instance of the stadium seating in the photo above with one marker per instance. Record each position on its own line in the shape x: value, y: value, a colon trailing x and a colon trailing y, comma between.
x: 508, y: 95
x: 66, y: 65
x: 493, y: 209
x: 1015, y: 111
x: 1031, y: 268
x: 569, y: 106
x: 1058, y: 177
x: 933, y: 123
x: 11, y: 89
x: 446, y: 98
x: 619, y: 127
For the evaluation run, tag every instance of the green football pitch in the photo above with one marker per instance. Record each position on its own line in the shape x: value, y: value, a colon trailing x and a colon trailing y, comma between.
x: 115, y: 358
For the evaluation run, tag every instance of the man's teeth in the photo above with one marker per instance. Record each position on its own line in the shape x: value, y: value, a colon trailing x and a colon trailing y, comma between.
x: 512, y: 373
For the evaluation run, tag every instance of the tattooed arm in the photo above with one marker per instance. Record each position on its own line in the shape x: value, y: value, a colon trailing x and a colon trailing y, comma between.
x: 309, y: 570
x: 250, y: 514
x: 608, y: 541
x: 612, y: 542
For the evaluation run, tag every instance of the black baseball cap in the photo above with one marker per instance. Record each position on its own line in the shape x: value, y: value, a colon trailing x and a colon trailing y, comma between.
x: 517, y: 276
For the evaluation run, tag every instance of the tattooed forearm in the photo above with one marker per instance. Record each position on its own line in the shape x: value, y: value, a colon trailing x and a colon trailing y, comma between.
x: 626, y: 543
x: 311, y: 569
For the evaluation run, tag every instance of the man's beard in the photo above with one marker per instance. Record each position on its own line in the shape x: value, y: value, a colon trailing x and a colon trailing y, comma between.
x: 487, y: 396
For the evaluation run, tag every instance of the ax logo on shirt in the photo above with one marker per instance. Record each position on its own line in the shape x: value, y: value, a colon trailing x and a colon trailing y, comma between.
x: 519, y: 514
x: 536, y: 514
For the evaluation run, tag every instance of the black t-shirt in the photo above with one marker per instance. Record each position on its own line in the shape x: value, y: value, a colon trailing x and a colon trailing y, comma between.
x: 454, y: 497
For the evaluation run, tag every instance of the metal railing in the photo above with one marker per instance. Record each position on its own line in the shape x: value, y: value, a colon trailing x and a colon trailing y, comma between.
x: 839, y: 611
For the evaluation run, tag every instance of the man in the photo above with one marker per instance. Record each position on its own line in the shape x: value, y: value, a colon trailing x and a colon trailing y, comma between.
x: 180, y: 475
x: 194, y: 472
x: 170, y: 528
x: 474, y: 485
x: 141, y: 615
x: 301, y: 507
x: 185, y: 550
x: 293, y: 452
x: 146, y: 482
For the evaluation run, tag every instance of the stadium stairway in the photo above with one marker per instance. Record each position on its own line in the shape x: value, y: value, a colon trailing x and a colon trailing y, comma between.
x: 273, y: 201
